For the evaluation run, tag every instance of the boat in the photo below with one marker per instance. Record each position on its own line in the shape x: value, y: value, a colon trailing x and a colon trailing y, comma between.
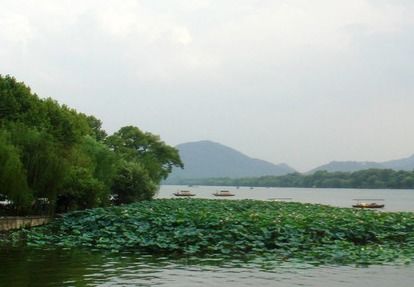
x: 364, y: 203
x: 183, y: 193
x: 223, y: 193
x: 368, y: 205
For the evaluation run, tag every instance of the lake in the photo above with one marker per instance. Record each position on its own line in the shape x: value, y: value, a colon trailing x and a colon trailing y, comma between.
x: 22, y: 268
x: 394, y: 200
x: 33, y: 267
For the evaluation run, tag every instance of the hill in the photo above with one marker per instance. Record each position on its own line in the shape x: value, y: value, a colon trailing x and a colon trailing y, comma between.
x: 206, y: 159
x: 351, y: 166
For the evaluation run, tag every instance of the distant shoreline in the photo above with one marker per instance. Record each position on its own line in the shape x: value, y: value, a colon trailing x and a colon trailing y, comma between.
x: 364, y: 179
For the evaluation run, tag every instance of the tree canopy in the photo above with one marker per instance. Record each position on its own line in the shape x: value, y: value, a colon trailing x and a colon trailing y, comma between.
x: 52, y: 153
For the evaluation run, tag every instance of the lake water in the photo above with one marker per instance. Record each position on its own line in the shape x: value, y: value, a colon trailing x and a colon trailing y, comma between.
x: 394, y: 200
x: 40, y: 268
x: 31, y: 267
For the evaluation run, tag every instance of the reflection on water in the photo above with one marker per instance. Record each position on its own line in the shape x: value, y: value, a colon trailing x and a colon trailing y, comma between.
x: 394, y: 199
x: 23, y: 268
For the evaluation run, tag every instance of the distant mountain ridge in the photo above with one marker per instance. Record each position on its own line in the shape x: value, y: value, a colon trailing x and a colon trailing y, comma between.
x: 350, y: 166
x: 207, y: 159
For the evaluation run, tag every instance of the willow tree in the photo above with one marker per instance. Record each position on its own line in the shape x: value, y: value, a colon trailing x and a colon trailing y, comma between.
x: 12, y: 174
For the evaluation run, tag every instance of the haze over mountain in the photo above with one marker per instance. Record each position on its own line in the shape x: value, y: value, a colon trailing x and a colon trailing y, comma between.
x: 206, y: 159
x: 349, y: 166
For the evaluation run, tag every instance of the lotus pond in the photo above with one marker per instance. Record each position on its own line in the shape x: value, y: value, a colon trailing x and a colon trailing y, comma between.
x: 280, y: 231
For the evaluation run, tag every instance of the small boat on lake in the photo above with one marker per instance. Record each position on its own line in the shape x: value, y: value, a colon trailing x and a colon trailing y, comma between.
x: 223, y: 193
x: 363, y: 203
x: 184, y: 193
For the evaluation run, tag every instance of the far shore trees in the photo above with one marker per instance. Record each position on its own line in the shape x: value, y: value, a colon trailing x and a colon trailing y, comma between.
x: 369, y: 178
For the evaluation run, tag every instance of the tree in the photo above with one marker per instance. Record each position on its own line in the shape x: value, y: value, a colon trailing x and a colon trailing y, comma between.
x: 81, y: 190
x: 101, y: 160
x: 12, y: 175
x: 147, y: 149
x: 132, y: 183
x: 44, y: 161
x: 96, y: 126
x: 48, y: 150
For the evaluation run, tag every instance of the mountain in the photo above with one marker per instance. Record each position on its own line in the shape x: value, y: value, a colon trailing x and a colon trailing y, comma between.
x: 401, y: 164
x: 206, y: 159
x: 350, y: 166
x: 347, y: 166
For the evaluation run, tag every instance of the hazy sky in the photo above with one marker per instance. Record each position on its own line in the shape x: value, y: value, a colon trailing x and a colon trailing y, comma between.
x: 296, y: 81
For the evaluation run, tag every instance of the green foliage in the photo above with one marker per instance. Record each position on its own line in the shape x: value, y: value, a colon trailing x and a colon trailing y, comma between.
x: 287, y: 231
x: 146, y: 160
x: 102, y: 161
x: 53, y: 153
x: 96, y: 126
x: 12, y: 175
x: 147, y: 149
x: 42, y: 158
x: 81, y: 190
x: 132, y: 183
x: 17, y: 103
x: 370, y: 178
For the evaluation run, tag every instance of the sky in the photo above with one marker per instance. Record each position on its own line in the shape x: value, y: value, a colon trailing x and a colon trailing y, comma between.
x: 296, y: 81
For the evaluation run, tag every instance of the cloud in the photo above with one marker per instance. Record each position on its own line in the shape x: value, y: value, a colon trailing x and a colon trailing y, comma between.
x: 294, y: 73
x: 16, y: 31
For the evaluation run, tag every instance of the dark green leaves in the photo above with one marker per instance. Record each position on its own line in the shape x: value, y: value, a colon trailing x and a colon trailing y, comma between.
x: 311, y: 233
x: 64, y: 159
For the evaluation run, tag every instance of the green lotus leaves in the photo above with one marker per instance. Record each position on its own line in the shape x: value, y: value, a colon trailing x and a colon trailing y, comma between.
x: 313, y: 234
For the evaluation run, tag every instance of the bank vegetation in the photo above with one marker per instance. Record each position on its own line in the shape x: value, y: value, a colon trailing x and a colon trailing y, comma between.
x: 56, y: 159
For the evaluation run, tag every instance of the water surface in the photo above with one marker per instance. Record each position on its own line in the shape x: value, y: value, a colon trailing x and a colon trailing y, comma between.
x: 22, y: 268
x: 394, y: 199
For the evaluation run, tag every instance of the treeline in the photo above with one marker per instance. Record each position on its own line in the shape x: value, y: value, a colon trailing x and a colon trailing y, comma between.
x: 52, y: 155
x: 370, y: 178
